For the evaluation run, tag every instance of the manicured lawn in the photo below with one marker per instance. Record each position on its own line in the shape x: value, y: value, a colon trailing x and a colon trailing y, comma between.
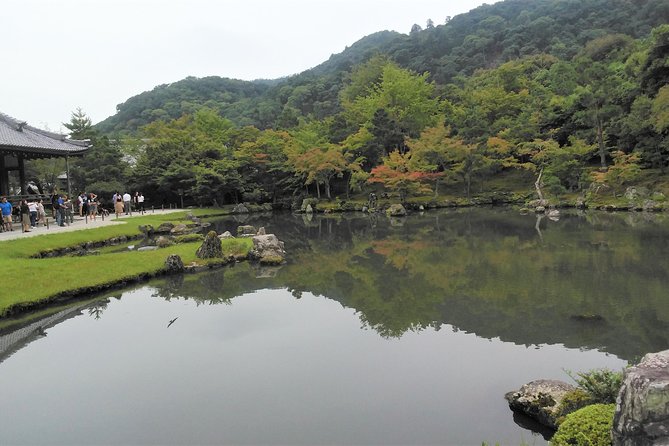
x: 28, y: 280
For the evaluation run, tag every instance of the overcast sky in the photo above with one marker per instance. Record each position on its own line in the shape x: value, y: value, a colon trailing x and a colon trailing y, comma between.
x: 95, y: 54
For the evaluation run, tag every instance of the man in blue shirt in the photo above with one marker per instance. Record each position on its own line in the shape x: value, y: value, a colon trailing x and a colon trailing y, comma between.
x: 6, y: 210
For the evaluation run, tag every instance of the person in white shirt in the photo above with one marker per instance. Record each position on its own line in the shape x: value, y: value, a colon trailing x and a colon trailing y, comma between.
x: 126, y: 204
x: 140, y: 202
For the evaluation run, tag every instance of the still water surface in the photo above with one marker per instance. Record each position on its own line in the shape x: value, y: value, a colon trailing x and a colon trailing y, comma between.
x: 376, y: 332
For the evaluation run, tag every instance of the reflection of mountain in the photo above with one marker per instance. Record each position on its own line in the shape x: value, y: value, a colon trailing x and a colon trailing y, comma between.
x: 592, y: 282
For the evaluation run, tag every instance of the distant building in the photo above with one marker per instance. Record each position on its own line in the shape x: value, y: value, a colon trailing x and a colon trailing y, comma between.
x: 19, y: 142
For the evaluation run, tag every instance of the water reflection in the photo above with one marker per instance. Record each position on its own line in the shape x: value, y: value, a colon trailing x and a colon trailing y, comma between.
x: 592, y: 280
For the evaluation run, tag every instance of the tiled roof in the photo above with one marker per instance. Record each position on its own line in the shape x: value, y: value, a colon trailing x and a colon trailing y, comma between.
x: 18, y: 136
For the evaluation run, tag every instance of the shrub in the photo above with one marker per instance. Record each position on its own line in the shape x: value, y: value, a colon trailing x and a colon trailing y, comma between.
x: 602, y: 385
x: 589, y: 426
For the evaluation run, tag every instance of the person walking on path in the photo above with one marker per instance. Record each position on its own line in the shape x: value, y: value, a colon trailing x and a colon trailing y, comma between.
x: 25, y: 215
x: 6, y: 210
x: 127, y: 204
x: 118, y: 204
x: 33, y: 214
x: 140, y: 202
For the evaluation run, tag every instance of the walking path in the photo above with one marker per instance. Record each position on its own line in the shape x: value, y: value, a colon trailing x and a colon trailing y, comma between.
x: 78, y: 225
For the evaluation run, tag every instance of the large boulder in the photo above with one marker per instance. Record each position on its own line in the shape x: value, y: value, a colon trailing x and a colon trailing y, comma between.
x: 211, y: 247
x: 642, y: 412
x: 164, y: 228
x: 396, y: 210
x: 174, y: 264
x: 268, y: 250
x: 240, y: 209
x: 540, y: 400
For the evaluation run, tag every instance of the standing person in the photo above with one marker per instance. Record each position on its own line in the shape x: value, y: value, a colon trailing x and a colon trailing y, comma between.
x: 33, y: 214
x: 83, y: 204
x: 25, y: 215
x: 93, y: 205
x: 60, y: 211
x: 69, y: 210
x: 41, y: 214
x: 126, y: 204
x: 135, y: 201
x: 118, y: 204
x: 54, y: 204
x: 140, y: 202
x: 6, y: 209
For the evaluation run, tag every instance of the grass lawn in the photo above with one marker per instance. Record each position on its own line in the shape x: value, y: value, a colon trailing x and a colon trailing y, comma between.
x: 28, y: 281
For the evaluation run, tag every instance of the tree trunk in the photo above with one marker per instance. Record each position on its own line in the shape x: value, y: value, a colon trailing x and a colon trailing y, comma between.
x: 327, y: 189
x: 537, y: 185
x: 318, y: 190
x: 600, y: 140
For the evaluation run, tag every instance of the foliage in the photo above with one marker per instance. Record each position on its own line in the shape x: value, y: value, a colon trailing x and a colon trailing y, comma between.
x: 589, y: 426
x: 397, y: 175
x: 602, y: 385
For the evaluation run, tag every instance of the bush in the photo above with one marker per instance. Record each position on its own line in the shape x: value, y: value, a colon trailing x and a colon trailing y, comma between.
x: 589, y: 426
x: 602, y: 385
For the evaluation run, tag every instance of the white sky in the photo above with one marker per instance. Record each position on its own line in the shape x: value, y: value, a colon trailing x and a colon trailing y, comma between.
x: 95, y: 54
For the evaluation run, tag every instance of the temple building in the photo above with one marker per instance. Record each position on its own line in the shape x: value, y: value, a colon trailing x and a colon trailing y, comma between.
x: 20, y: 142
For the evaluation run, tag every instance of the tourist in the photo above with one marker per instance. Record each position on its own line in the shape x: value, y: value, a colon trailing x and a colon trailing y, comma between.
x: 6, y: 210
x: 54, y: 204
x: 25, y: 215
x: 140, y: 202
x: 59, y: 206
x: 33, y: 213
x: 93, y: 206
x: 83, y: 204
x: 126, y: 204
x: 118, y: 204
x: 69, y: 209
x: 41, y: 213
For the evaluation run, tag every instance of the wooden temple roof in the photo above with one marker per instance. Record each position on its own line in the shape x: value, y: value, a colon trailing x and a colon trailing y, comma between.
x: 20, y: 138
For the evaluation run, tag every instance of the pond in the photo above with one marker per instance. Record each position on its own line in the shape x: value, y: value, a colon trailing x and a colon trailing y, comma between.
x: 377, y: 331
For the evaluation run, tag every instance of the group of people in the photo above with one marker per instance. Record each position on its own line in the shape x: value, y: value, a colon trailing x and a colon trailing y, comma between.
x: 125, y: 203
x: 32, y: 213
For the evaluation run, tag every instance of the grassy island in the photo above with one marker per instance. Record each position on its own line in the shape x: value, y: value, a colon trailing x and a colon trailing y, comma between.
x: 31, y: 282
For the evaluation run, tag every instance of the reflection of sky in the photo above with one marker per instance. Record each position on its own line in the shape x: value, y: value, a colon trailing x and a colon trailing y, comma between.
x: 267, y: 369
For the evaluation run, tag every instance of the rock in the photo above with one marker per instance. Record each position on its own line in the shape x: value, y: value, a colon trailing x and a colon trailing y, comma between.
x: 174, y: 264
x: 147, y: 230
x: 163, y: 242
x: 261, y: 231
x: 240, y: 209
x: 580, y: 203
x: 364, y: 209
x: 225, y: 235
x: 536, y: 203
x: 165, y: 227
x: 246, y: 231
x: 268, y: 250
x: 309, y: 202
x: 147, y: 248
x: 309, y: 209
x: 642, y: 412
x: 179, y: 229
x: 540, y: 400
x: 539, y: 209
x: 211, y: 247
x: 631, y: 193
x: 651, y: 206
x: 421, y: 208
x: 396, y: 210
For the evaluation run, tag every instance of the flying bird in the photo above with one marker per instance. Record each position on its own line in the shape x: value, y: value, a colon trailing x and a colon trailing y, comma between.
x: 172, y: 321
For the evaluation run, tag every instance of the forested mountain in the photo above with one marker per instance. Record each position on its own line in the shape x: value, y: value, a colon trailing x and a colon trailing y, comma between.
x: 485, y: 37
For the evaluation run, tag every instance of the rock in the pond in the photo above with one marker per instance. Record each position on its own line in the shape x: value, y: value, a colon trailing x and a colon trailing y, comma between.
x: 261, y: 231
x: 540, y: 400
x: 240, y: 209
x: 268, y: 250
x: 211, y: 247
x: 396, y: 210
x: 642, y: 412
x: 246, y: 231
x: 174, y: 264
